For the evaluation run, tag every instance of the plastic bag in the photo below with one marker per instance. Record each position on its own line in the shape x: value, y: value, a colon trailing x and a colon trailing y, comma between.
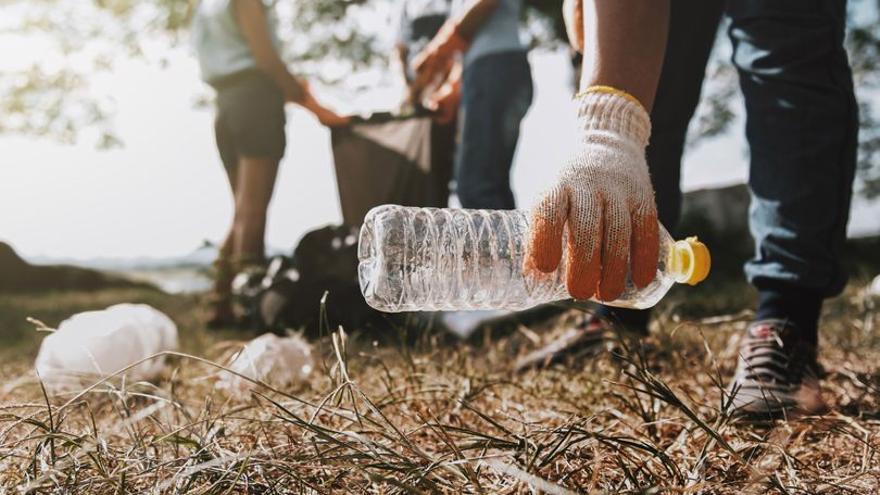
x: 278, y: 361
x: 463, y: 324
x: 91, y: 345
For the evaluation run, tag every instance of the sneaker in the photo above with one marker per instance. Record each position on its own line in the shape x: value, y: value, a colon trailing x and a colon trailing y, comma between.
x: 777, y: 372
x: 590, y: 336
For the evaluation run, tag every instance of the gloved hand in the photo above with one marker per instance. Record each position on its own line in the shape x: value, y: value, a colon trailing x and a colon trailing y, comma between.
x: 437, y: 56
x: 605, y: 198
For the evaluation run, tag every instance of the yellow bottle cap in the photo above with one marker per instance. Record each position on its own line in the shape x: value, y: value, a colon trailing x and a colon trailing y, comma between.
x: 701, y: 263
x: 691, y: 261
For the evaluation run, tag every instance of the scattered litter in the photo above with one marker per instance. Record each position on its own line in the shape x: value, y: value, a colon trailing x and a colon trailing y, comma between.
x: 277, y: 361
x: 94, y: 344
x: 874, y: 288
x: 464, y: 323
x: 536, y: 484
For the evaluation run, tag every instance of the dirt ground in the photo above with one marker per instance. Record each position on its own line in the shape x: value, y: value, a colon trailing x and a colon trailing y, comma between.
x: 399, y: 413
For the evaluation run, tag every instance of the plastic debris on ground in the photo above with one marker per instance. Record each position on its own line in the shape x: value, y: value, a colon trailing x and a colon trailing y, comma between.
x: 277, y: 361
x: 464, y: 323
x: 874, y: 288
x: 92, y: 345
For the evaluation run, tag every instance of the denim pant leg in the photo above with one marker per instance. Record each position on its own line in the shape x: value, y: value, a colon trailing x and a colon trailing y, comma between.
x: 496, y: 94
x: 692, y: 32
x: 802, y: 129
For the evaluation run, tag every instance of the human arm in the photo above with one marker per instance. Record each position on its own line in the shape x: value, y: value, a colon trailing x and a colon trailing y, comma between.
x: 445, y: 100
x: 573, y: 15
x: 412, y: 91
x: 604, y: 197
x: 623, y: 43
x: 469, y: 22
x: 401, y: 52
x: 251, y: 18
x: 455, y: 36
x: 325, y: 115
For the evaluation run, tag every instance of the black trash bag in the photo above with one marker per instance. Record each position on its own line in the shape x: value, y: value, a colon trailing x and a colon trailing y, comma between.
x: 288, y: 294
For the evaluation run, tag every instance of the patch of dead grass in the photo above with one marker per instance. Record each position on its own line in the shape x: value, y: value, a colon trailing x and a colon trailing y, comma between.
x: 438, y: 418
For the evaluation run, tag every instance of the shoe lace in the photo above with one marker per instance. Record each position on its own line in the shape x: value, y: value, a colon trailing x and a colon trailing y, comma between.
x: 764, y: 357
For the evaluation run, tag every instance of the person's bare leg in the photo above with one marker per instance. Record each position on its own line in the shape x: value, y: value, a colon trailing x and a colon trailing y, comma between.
x: 222, y: 313
x: 254, y: 186
x: 624, y: 44
x: 226, y: 248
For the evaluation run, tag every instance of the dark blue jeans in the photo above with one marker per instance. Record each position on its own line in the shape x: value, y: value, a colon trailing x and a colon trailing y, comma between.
x: 496, y: 94
x: 802, y: 127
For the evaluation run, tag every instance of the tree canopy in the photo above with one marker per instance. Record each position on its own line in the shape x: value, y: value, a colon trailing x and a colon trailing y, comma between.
x: 52, y: 96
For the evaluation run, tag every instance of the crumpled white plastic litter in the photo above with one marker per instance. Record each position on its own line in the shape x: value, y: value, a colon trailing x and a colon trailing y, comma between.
x: 874, y: 288
x: 91, y: 345
x: 277, y: 361
x: 464, y: 323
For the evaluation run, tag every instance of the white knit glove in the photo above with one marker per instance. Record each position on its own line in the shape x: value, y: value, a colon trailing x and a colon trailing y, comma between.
x: 604, y: 196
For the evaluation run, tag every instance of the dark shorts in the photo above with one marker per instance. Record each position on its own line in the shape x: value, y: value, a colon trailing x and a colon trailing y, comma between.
x: 250, y: 118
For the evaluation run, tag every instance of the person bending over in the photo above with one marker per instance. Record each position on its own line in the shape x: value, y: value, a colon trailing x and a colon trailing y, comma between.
x: 644, y: 61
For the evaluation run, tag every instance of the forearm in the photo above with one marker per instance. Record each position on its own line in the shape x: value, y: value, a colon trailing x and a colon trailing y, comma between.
x: 252, y: 21
x: 624, y: 45
x: 455, y: 75
x: 472, y: 19
x: 402, y: 53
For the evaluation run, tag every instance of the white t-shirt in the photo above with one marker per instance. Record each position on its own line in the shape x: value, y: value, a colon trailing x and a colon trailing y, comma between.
x: 219, y: 44
x: 499, y: 34
x: 410, y: 10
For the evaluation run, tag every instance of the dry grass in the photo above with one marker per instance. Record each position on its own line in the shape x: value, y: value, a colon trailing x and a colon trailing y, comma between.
x: 428, y: 417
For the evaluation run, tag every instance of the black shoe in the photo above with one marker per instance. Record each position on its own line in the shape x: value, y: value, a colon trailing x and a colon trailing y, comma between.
x: 777, y: 372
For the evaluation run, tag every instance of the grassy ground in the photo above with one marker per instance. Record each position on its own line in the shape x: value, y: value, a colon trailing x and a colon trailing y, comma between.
x: 421, y: 416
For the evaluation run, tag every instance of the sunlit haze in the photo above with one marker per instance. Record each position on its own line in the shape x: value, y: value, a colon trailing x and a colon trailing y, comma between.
x: 164, y: 192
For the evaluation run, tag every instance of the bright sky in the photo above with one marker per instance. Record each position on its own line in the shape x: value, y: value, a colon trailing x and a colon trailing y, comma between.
x: 164, y: 192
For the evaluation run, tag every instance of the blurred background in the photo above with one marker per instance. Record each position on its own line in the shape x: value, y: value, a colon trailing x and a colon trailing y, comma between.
x: 108, y: 159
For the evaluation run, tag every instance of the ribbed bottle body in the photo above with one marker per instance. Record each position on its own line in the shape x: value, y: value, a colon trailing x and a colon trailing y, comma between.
x: 432, y: 259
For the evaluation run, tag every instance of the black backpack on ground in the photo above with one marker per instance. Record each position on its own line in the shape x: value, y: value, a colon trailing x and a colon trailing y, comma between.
x: 289, y: 293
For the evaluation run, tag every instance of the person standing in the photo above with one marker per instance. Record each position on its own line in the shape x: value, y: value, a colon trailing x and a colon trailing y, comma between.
x: 418, y: 22
x: 238, y: 51
x: 494, y: 86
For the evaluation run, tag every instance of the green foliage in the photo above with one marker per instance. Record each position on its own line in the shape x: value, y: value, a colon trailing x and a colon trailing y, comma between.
x: 325, y: 39
x: 52, y: 96
x: 715, y: 115
x: 864, y: 50
x: 551, y: 10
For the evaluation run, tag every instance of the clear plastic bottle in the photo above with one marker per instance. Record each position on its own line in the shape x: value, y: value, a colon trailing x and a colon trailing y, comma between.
x: 433, y: 259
